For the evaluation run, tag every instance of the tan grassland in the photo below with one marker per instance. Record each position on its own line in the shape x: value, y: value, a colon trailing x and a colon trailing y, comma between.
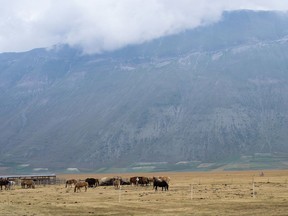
x: 190, y: 193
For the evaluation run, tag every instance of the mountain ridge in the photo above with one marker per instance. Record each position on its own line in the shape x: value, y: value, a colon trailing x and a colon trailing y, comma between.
x: 167, y: 103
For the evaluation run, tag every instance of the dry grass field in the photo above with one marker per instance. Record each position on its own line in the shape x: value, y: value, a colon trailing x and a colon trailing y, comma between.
x: 207, y: 193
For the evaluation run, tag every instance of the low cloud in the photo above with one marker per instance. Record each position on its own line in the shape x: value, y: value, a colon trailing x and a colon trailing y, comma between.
x: 99, y: 25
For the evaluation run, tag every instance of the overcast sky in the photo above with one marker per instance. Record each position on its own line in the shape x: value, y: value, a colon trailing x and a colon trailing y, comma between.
x: 97, y: 25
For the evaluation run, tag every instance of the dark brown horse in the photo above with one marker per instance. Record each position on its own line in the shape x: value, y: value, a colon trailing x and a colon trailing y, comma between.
x: 4, y: 182
x: 160, y: 183
x: 79, y: 185
x: 92, y: 182
x: 71, y: 182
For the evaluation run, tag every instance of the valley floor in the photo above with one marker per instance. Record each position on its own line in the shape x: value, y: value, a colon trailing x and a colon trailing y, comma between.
x: 190, y: 193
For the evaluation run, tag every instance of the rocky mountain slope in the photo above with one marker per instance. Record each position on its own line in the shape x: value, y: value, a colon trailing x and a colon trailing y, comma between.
x: 215, y: 93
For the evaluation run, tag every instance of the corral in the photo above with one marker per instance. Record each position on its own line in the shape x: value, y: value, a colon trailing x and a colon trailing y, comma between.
x: 39, y: 178
x: 207, y: 193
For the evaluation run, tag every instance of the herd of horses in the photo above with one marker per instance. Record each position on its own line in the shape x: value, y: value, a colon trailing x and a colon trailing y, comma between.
x: 117, y: 182
x: 9, y: 184
x: 161, y: 181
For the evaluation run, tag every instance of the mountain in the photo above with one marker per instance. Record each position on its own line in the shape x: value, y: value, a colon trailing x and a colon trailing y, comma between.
x: 199, y: 99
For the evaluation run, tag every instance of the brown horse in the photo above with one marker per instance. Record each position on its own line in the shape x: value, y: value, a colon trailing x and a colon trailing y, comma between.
x: 79, y: 185
x: 27, y: 183
x: 139, y: 180
x: 70, y: 182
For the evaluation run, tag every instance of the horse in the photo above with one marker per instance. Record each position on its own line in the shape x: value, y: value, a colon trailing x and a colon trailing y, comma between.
x: 160, y: 183
x: 79, y: 185
x: 5, y: 183
x: 125, y: 181
x: 139, y: 180
x: 70, y: 182
x: 117, y: 183
x: 92, y: 182
x: 106, y: 181
x: 134, y: 180
x: 27, y: 183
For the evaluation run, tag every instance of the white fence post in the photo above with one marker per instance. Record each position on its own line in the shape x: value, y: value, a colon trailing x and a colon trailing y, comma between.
x: 119, y: 195
x: 191, y: 191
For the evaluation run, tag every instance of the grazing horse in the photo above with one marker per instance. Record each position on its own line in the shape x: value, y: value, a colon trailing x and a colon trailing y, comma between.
x: 4, y: 182
x: 27, y: 183
x: 70, y: 182
x: 79, y: 185
x: 92, y: 182
x: 160, y: 183
x: 117, y: 183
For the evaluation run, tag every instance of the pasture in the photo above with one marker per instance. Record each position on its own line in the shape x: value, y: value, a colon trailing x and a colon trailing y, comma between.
x: 190, y: 193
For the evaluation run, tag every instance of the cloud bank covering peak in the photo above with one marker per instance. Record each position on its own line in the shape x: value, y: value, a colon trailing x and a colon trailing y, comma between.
x: 100, y: 25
